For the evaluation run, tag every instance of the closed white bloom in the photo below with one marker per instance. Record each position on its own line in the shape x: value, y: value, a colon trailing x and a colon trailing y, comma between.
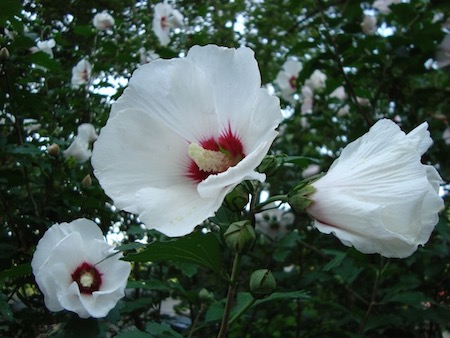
x: 383, y: 5
x: 165, y: 18
x: 183, y: 134
x: 316, y: 81
x: 79, y: 148
x: 307, y: 99
x: 73, y: 270
x: 443, y: 53
x: 45, y: 46
x: 369, y: 25
x: 81, y: 73
x: 378, y: 196
x: 286, y: 79
x: 446, y: 135
x: 103, y: 21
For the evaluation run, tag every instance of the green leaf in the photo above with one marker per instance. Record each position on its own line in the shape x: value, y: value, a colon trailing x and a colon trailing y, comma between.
x: 196, y: 248
x: 134, y: 334
x: 5, y: 310
x: 160, y: 330
x: 339, y: 256
x: 17, y: 271
x: 8, y: 9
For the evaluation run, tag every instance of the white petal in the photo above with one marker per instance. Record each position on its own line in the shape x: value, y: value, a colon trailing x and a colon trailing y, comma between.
x: 420, y: 137
x: 135, y: 151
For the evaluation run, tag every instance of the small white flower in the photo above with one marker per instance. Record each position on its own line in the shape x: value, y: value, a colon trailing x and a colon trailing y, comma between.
x: 443, y: 53
x: 165, y: 18
x: 316, y: 81
x: 79, y: 148
x: 339, y: 93
x: 274, y: 222
x: 287, y: 79
x: 183, y: 134
x: 103, y: 21
x: 307, y: 99
x: 81, y: 73
x: 383, y: 5
x: 378, y: 196
x: 369, y: 25
x: 75, y: 269
x: 45, y: 46
x: 343, y: 111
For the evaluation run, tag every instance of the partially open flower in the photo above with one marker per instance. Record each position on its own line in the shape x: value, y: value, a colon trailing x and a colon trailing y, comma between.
x: 81, y: 73
x: 79, y: 148
x: 183, y: 134
x: 165, y: 18
x: 78, y: 271
x: 45, y: 46
x: 103, y: 21
x: 378, y: 196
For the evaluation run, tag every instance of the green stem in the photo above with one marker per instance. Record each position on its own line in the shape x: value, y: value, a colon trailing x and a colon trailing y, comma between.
x: 242, y: 311
x: 230, y: 296
x: 276, y: 198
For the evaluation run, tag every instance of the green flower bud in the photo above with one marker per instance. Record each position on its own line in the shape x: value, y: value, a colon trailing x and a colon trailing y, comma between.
x: 205, y: 296
x: 298, y: 197
x: 262, y: 283
x: 237, y: 199
x: 240, y: 237
x: 269, y: 165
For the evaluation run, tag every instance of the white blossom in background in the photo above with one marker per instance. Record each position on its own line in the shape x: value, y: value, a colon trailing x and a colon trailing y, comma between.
x: 77, y: 270
x: 206, y: 120
x: 81, y: 73
x: 286, y: 79
x: 343, y: 111
x: 383, y: 5
x: 274, y: 222
x: 307, y: 99
x: 147, y: 56
x: 103, y: 21
x: 79, y: 148
x: 311, y: 170
x: 339, y: 93
x: 317, y: 81
x: 446, y: 136
x: 378, y: 196
x: 45, y: 46
x: 369, y: 25
x: 443, y: 52
x: 164, y: 19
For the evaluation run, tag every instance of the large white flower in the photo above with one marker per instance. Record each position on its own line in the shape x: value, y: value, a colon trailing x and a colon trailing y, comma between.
x: 378, y: 196
x: 81, y: 73
x: 165, y: 18
x: 103, y: 21
x: 184, y: 133
x: 287, y: 79
x: 75, y: 269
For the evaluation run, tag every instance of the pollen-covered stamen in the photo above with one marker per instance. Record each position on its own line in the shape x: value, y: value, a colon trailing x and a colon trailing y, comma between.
x: 88, y: 278
x: 209, y: 160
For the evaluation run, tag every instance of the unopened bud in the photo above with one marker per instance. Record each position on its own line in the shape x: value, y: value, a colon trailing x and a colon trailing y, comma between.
x: 87, y: 181
x: 53, y: 149
x: 240, y: 237
x: 298, y: 197
x: 205, y: 296
x: 4, y: 54
x: 237, y: 199
x: 262, y: 283
x: 269, y: 165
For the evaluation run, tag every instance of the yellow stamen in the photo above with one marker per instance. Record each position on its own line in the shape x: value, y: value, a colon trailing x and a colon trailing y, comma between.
x: 209, y: 160
x: 86, y: 279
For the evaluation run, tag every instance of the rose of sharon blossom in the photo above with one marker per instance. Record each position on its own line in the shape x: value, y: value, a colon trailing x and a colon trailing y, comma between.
x: 443, y: 53
x: 75, y: 269
x: 316, y: 81
x: 287, y: 79
x: 184, y: 133
x: 165, y: 18
x: 378, y: 196
x: 44, y: 46
x: 81, y: 73
x: 307, y: 99
x: 79, y: 148
x: 369, y: 25
x: 103, y: 21
x: 383, y: 5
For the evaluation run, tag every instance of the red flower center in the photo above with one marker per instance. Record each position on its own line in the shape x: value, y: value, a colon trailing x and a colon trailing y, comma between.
x: 164, y: 22
x: 225, y: 152
x: 88, y: 278
x: 293, y: 82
